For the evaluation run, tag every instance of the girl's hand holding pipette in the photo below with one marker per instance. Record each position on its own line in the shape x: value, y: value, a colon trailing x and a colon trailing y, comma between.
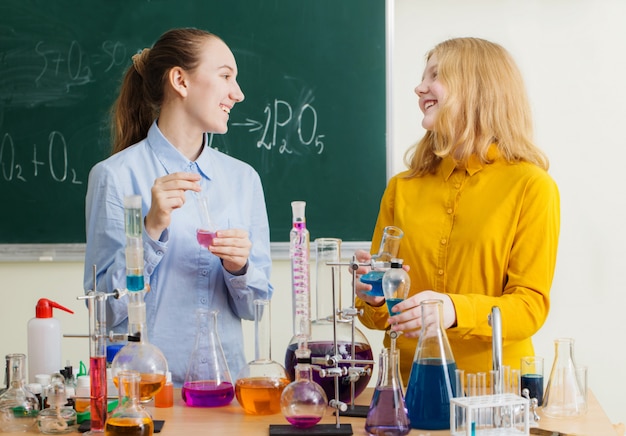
x: 168, y: 194
x: 233, y: 247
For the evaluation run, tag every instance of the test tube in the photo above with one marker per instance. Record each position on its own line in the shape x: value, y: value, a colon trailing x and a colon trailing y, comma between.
x: 96, y: 303
x: 514, y: 386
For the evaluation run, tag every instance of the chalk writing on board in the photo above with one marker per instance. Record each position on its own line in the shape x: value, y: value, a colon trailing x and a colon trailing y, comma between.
x: 52, y: 162
x: 279, y: 115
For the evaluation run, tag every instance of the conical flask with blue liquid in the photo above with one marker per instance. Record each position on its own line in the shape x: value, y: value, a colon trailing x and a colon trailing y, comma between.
x: 431, y: 383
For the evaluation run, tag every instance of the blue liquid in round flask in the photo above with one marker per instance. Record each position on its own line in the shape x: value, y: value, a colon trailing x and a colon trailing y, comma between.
x: 431, y: 383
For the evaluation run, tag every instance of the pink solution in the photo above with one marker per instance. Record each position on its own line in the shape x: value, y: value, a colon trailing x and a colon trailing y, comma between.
x: 206, y: 393
x: 303, y: 421
x: 98, y: 380
x: 205, y: 237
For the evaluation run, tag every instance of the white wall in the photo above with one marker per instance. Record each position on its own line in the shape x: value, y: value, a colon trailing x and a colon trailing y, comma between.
x: 573, y: 56
x: 571, y: 53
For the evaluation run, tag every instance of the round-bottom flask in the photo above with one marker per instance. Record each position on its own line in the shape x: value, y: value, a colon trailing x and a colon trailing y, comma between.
x: 129, y: 418
x: 18, y: 406
x: 139, y: 354
x: 303, y: 402
x: 321, y: 345
x: 261, y: 382
x: 208, y: 382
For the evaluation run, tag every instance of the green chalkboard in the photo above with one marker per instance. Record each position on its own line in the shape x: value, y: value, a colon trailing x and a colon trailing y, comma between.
x: 312, y: 123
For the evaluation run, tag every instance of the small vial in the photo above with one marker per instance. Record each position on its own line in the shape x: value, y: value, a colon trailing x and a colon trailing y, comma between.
x: 165, y: 397
x: 83, y: 393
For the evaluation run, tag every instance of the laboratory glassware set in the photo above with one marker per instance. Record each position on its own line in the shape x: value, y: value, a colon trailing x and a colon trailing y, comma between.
x: 328, y: 357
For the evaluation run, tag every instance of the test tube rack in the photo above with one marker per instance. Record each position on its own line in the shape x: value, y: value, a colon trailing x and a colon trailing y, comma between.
x: 486, y: 415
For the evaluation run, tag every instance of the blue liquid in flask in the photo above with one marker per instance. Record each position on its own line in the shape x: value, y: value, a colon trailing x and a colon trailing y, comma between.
x: 431, y: 385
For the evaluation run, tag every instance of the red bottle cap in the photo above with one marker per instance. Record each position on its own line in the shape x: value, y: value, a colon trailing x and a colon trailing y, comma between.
x: 44, y: 308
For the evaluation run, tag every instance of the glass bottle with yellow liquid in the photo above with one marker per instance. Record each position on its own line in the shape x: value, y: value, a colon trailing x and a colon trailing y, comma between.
x: 129, y: 418
x: 261, y: 382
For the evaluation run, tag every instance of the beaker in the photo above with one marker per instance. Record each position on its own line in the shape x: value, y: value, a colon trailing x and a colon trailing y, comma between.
x: 432, y: 378
x: 303, y: 402
x: 387, y: 415
x: 129, y: 418
x: 261, y: 382
x: 18, y: 406
x: 321, y: 341
x: 208, y: 382
x: 564, y: 396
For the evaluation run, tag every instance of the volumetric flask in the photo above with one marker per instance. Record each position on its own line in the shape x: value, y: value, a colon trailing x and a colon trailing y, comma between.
x: 208, y: 382
x: 387, y: 415
x: 433, y: 374
x: 261, y: 382
x: 565, y: 395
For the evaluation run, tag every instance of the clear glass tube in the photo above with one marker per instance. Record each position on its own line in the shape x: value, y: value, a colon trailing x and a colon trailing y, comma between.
x: 97, y: 360
x: 299, y: 252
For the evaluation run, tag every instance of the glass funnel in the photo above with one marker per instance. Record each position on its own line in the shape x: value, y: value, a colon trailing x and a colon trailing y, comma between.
x: 433, y: 374
x: 387, y: 415
x: 261, y: 382
x: 321, y: 342
x: 18, y: 406
x: 208, y: 382
x: 129, y: 418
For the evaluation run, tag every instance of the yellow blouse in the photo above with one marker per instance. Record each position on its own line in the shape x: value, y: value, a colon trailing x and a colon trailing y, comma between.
x: 486, y: 235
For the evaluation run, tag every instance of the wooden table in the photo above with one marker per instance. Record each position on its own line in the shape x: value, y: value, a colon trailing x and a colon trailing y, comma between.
x: 232, y: 420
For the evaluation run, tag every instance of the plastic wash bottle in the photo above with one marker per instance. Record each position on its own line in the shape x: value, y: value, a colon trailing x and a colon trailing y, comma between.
x: 44, y: 340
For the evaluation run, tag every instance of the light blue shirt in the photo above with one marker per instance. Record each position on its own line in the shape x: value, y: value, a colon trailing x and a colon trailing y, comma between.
x: 183, y: 276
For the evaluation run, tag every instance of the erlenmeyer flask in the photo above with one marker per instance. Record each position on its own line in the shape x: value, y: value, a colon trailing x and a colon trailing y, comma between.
x: 129, y: 418
x: 18, y: 406
x: 432, y: 379
x: 261, y: 382
x: 564, y: 397
x: 321, y: 340
x: 388, y: 415
x: 208, y: 382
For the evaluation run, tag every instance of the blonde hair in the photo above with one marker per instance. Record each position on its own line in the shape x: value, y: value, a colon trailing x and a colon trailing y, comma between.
x: 485, y: 103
